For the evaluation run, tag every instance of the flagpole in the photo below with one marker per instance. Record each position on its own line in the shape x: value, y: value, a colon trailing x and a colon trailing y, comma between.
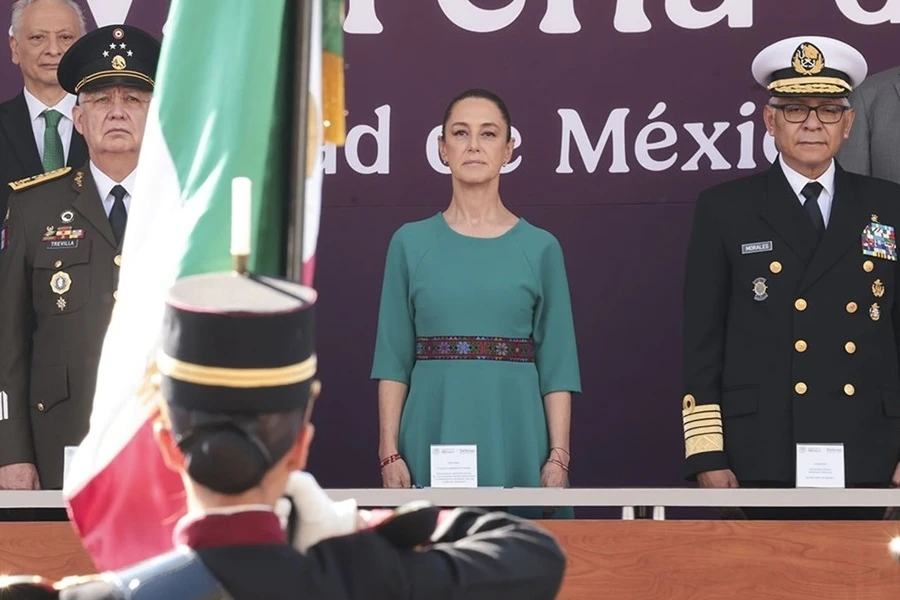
x: 303, y: 13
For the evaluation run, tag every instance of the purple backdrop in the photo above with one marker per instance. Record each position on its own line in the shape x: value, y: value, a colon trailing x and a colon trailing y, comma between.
x: 622, y: 213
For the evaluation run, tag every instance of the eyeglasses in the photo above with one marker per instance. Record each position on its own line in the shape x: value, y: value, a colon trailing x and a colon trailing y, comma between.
x: 799, y: 113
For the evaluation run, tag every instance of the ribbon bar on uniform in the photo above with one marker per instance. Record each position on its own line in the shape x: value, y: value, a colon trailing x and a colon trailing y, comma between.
x: 475, y: 348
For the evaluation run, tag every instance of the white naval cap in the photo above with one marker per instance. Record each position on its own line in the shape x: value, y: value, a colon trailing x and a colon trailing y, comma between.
x: 809, y: 66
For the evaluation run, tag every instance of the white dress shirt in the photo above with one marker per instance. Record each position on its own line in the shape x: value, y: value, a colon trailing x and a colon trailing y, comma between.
x: 105, y: 185
x: 38, y: 125
x: 798, y: 181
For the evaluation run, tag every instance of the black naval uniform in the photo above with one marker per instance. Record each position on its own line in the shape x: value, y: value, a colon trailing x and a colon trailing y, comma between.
x: 788, y: 339
x: 243, y: 556
x: 60, y: 266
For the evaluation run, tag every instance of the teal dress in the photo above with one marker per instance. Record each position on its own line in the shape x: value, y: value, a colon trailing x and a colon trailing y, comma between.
x: 480, y: 329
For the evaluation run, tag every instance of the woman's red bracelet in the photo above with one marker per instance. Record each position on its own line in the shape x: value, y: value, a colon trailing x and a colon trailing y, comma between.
x: 388, y: 460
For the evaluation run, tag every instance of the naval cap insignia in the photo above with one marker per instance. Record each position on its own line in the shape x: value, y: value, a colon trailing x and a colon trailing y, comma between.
x: 808, y: 60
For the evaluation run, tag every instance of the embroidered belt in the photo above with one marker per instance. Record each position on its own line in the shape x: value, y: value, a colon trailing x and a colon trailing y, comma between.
x: 474, y: 348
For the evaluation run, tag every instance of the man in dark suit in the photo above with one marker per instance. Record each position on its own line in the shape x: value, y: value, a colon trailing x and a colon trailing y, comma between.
x: 791, y: 308
x: 874, y: 144
x: 59, y: 256
x: 37, y: 132
x: 237, y: 372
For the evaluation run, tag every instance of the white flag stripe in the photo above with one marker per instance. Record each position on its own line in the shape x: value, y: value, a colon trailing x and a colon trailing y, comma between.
x: 154, y: 241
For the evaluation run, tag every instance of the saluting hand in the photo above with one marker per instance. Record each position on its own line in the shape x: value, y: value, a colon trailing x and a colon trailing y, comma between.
x: 19, y: 476
x: 396, y: 475
x: 722, y: 478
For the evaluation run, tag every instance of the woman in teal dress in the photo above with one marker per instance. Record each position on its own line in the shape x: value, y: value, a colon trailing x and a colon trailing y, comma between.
x: 476, y: 343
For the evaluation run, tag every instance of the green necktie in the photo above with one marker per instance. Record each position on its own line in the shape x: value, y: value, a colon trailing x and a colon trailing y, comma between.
x: 53, y: 149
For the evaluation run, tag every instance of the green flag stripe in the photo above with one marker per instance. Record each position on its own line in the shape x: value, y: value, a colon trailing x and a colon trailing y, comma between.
x: 223, y: 89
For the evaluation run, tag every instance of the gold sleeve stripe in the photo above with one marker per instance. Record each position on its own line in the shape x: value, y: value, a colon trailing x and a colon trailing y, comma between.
x: 701, y: 408
x: 711, y: 442
x: 701, y: 425
x: 702, y: 431
x: 701, y: 417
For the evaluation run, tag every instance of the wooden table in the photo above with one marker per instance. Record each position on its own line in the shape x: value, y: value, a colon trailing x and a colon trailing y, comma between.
x: 633, y: 560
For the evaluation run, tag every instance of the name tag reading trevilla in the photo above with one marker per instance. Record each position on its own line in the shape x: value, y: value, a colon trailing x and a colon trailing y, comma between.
x: 454, y: 466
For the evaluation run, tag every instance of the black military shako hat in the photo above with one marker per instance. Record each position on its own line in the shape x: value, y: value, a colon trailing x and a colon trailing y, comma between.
x: 238, y: 344
x: 111, y: 55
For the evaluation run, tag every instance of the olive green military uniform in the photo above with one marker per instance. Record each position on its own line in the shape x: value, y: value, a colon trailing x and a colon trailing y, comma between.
x: 59, y: 265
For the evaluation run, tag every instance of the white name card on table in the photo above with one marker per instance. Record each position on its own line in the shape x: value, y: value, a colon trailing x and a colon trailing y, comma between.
x: 454, y: 466
x: 820, y: 465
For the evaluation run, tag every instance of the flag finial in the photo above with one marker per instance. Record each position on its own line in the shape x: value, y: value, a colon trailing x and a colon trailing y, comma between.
x: 241, y: 215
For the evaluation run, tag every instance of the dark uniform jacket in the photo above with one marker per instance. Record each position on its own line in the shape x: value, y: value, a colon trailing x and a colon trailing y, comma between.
x: 788, y: 339
x: 60, y: 270
x: 19, y: 156
x: 478, y: 556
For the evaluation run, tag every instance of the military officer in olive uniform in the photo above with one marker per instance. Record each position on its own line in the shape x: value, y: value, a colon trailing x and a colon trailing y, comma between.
x: 237, y: 387
x: 60, y: 245
x: 791, y: 314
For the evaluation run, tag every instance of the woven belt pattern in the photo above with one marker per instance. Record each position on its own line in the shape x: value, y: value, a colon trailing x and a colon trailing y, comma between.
x: 475, y: 348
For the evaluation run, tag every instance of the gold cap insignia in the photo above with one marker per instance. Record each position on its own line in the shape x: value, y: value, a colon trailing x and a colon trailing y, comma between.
x: 808, y: 60
x: 118, y: 63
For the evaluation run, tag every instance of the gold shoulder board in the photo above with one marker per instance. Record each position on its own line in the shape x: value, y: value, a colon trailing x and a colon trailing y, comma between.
x: 36, y: 179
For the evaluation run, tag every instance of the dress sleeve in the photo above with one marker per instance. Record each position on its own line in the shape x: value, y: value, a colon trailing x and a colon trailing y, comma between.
x: 396, y: 338
x: 554, y: 328
x: 16, y: 324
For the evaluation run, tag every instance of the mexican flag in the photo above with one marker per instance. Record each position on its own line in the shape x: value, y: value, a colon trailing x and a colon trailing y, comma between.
x: 222, y: 108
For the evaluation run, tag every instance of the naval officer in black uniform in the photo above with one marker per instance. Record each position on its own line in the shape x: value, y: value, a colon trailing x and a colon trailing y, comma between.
x: 791, y: 317
x: 238, y: 367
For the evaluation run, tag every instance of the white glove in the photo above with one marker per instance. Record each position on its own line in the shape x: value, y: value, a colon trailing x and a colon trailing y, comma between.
x: 318, y: 517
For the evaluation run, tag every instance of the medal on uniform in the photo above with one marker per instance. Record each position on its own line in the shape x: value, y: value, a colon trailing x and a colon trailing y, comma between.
x: 760, y: 290
x: 60, y: 283
x: 879, y: 240
x: 875, y: 312
x: 878, y: 288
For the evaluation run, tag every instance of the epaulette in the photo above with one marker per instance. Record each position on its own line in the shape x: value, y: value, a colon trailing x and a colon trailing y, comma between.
x: 36, y: 179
